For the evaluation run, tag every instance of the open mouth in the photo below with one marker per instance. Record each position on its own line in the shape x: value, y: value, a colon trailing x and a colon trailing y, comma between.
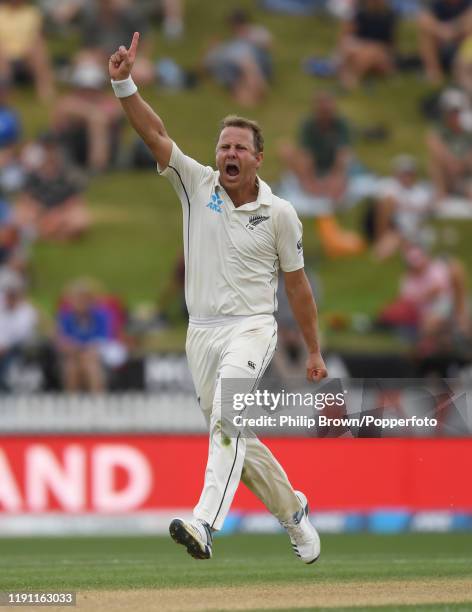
x: 232, y: 170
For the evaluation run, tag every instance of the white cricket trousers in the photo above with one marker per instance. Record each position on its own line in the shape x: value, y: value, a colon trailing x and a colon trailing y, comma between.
x: 235, y: 347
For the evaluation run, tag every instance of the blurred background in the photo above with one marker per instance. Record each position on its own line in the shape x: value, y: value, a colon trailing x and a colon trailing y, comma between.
x: 366, y: 107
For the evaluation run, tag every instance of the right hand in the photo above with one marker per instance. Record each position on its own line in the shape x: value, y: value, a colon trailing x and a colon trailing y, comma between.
x: 315, y: 367
x: 121, y: 62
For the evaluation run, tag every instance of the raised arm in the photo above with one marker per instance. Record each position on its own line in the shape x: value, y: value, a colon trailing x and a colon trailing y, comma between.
x: 141, y: 116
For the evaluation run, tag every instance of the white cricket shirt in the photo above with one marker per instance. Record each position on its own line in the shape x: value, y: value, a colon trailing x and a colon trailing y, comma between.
x: 232, y: 255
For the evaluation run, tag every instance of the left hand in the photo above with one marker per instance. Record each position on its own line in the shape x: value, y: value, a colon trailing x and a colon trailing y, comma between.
x: 315, y: 367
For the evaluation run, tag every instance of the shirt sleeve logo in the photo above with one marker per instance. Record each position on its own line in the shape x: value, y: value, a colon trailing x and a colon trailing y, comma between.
x: 215, y: 203
x: 300, y: 246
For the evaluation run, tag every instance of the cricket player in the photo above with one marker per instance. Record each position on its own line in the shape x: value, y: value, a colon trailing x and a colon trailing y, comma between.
x: 237, y: 235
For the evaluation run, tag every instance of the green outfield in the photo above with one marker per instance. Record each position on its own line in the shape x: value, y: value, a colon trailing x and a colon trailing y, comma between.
x: 408, y: 571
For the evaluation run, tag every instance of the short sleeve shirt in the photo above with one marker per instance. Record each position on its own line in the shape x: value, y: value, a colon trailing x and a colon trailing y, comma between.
x: 51, y: 192
x: 232, y: 254
x: 323, y: 143
x: 376, y: 26
x: 412, y: 204
x: 19, y: 29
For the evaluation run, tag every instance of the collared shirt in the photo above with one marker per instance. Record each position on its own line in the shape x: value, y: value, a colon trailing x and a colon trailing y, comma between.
x: 232, y: 254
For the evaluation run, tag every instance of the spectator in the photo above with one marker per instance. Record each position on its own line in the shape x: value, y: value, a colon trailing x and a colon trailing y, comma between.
x: 433, y: 299
x: 367, y: 42
x: 23, y: 50
x: 105, y: 326
x: 82, y: 326
x: 402, y: 205
x: 320, y: 164
x: 18, y: 323
x: 450, y: 147
x: 11, y: 178
x: 107, y: 24
x: 87, y: 120
x: 243, y: 64
x: 442, y: 26
x: 173, y: 22
x: 10, y: 251
x: 51, y: 204
x: 321, y: 159
x: 11, y: 172
x: 61, y: 13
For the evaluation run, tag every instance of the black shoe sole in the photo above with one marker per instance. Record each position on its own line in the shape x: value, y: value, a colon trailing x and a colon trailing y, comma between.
x: 314, y: 560
x: 180, y: 535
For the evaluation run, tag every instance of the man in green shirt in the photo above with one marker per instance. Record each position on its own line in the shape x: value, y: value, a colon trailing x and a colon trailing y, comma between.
x: 321, y: 159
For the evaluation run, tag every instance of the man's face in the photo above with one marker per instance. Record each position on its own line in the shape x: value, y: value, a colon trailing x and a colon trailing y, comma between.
x: 407, y: 177
x: 324, y: 108
x: 452, y: 118
x: 236, y: 157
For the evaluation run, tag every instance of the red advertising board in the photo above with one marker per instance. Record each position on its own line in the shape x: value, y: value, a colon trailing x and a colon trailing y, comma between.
x: 119, y: 474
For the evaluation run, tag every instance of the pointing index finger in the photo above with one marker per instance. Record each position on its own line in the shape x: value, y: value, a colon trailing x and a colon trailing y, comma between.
x: 133, y: 46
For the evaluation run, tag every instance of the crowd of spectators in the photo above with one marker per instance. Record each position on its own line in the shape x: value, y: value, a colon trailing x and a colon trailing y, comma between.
x: 43, y: 181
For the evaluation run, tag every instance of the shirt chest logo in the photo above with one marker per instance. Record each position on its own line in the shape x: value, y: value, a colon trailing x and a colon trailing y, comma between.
x: 255, y: 220
x: 215, y: 203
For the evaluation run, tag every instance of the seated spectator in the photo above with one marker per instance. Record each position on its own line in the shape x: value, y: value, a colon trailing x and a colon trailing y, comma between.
x: 323, y: 153
x: 10, y: 244
x: 82, y: 327
x: 59, y: 14
x: 11, y: 171
x: 402, y: 205
x: 433, y: 299
x: 87, y: 120
x: 11, y: 179
x: 113, y: 347
x: 450, y: 147
x: 442, y: 25
x: 107, y: 24
x: 18, y: 323
x: 23, y: 50
x: 367, y: 42
x: 320, y: 164
x: 243, y: 64
x: 51, y: 204
x: 172, y: 22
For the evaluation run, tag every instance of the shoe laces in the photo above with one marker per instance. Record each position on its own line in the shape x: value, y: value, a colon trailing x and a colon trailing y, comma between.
x: 295, y: 529
x: 203, y: 531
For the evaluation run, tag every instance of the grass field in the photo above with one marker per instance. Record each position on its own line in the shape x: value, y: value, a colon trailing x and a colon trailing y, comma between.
x: 401, y: 572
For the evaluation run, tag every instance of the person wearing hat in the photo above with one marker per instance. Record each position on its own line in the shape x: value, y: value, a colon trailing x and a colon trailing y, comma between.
x: 450, y: 147
x: 403, y: 204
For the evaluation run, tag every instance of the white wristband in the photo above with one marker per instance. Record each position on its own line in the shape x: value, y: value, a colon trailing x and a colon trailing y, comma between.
x: 125, y: 88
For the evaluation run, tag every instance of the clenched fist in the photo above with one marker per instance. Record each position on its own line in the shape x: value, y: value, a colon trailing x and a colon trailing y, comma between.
x: 121, y: 62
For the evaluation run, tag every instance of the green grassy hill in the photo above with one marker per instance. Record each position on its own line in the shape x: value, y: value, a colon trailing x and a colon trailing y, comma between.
x: 137, y: 231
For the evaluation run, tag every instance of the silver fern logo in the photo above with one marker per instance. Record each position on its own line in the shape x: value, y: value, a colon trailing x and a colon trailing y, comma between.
x: 255, y: 220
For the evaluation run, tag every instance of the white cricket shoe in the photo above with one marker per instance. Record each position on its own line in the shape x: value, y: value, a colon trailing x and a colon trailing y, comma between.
x: 303, y: 536
x: 194, y: 535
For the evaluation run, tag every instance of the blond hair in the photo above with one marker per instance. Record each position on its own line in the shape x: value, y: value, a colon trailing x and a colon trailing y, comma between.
x: 248, y: 124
